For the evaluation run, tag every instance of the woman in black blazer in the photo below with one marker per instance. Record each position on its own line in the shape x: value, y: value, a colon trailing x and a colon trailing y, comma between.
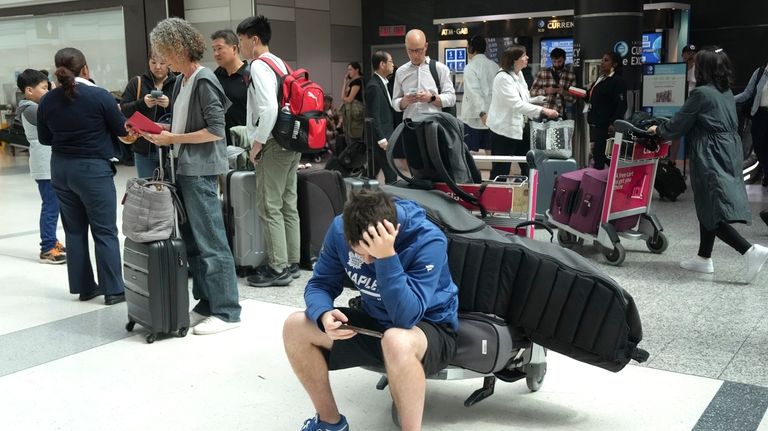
x: 607, y: 103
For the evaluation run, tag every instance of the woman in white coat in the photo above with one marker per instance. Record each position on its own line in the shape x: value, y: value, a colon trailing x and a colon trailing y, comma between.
x: 510, y: 105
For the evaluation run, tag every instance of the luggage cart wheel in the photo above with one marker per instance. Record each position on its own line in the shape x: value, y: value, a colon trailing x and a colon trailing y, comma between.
x: 151, y: 338
x: 183, y: 332
x: 535, y: 376
x: 129, y: 326
x: 616, y: 255
x: 566, y: 239
x: 395, y: 415
x: 659, y: 244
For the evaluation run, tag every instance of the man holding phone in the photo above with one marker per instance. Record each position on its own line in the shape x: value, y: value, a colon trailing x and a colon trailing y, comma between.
x: 397, y: 259
x: 415, y: 90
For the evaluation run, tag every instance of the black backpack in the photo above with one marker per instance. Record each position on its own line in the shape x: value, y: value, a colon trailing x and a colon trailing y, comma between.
x: 435, y: 150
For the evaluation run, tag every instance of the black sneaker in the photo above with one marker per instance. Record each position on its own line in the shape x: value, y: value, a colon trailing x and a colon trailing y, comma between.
x: 270, y: 277
x: 294, y: 269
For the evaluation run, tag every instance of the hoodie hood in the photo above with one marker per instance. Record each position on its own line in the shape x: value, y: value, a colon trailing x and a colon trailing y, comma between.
x: 411, y: 216
x: 27, y: 109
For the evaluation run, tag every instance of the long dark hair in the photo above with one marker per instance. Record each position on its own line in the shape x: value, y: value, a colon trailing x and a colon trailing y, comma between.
x: 714, y: 67
x: 69, y: 63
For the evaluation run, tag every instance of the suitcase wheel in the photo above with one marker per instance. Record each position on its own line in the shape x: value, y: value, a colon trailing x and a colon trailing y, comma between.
x: 129, y: 326
x: 151, y: 338
x: 183, y: 332
x: 534, y: 376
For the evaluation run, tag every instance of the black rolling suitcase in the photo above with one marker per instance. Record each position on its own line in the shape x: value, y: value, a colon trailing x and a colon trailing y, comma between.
x: 156, y: 289
x: 321, y: 196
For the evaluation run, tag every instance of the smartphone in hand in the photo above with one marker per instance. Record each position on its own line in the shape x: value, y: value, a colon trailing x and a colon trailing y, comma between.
x: 156, y: 94
x: 363, y: 331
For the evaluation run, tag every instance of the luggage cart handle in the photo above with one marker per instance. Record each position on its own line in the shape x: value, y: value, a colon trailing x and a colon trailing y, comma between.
x: 623, y: 126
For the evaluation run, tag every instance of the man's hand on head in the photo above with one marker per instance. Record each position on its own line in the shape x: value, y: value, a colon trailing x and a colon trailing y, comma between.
x: 379, y: 239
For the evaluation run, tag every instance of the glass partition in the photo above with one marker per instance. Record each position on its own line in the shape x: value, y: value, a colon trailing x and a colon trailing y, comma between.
x: 32, y: 41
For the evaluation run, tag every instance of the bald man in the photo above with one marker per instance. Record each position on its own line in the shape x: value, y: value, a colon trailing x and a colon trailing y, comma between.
x: 415, y: 90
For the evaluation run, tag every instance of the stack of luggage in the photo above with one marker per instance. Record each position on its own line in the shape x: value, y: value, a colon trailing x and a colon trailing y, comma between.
x: 578, y: 200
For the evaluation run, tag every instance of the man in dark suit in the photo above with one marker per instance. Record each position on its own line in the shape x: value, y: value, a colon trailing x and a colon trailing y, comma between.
x: 378, y: 105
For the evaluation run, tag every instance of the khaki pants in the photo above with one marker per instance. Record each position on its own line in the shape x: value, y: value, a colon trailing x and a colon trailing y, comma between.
x: 276, y: 188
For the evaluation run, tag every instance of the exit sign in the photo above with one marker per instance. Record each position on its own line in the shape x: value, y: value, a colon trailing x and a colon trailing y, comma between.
x: 391, y: 30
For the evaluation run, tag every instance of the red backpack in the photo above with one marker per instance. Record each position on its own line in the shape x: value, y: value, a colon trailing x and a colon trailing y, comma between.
x: 300, y: 124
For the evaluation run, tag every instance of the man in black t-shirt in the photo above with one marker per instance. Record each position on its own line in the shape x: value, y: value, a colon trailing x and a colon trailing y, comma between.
x: 234, y: 76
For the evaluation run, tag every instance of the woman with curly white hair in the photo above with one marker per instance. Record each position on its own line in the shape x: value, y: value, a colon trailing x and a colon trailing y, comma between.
x: 197, y: 133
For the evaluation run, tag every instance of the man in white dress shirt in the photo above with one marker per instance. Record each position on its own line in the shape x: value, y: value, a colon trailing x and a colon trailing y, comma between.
x: 478, y: 80
x: 415, y: 90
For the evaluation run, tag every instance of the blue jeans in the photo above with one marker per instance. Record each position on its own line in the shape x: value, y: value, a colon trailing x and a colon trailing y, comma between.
x: 146, y: 165
x: 49, y: 215
x: 86, y: 192
x: 214, y: 282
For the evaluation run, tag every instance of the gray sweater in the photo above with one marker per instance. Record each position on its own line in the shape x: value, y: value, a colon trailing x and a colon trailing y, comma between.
x: 39, y: 155
x: 207, y: 106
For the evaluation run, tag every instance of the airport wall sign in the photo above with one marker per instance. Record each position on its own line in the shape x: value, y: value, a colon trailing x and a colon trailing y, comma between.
x: 391, y: 30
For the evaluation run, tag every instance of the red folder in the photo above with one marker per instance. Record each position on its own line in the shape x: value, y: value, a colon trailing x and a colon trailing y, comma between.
x: 143, y: 124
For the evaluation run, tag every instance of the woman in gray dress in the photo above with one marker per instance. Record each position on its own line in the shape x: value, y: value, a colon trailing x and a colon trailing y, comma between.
x: 708, y: 121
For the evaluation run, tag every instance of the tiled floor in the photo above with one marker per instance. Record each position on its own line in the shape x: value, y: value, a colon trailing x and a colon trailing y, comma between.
x: 71, y: 366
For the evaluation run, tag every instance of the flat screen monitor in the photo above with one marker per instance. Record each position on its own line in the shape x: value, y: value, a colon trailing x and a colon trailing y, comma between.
x: 652, y: 48
x: 547, y: 45
x: 456, y: 59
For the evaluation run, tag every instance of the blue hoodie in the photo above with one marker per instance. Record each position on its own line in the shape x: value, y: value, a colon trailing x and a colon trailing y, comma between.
x: 398, y: 291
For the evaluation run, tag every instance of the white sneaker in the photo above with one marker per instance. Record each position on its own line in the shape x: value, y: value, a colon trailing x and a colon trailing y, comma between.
x: 213, y: 325
x: 755, y: 258
x: 195, y: 318
x: 698, y: 264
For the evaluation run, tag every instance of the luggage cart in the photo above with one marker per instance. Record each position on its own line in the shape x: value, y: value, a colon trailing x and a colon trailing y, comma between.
x: 629, y: 192
x: 510, y: 205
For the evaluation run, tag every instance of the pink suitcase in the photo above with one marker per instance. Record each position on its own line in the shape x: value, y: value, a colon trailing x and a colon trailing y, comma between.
x: 564, y: 195
x: 589, y: 204
x: 589, y: 201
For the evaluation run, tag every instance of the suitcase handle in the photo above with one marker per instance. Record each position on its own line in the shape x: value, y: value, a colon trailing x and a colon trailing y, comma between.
x: 586, y: 205
x: 559, y: 200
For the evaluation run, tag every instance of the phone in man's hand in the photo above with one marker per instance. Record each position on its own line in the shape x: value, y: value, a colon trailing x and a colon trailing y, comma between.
x: 363, y: 331
x: 156, y: 94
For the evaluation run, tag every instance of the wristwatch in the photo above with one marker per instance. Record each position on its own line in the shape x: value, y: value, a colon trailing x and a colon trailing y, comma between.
x: 432, y: 99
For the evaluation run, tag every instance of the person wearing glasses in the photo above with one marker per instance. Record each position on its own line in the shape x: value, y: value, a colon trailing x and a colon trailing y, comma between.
x: 415, y: 90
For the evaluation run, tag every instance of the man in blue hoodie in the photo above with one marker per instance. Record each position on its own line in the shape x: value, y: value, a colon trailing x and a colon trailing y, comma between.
x: 398, y: 261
